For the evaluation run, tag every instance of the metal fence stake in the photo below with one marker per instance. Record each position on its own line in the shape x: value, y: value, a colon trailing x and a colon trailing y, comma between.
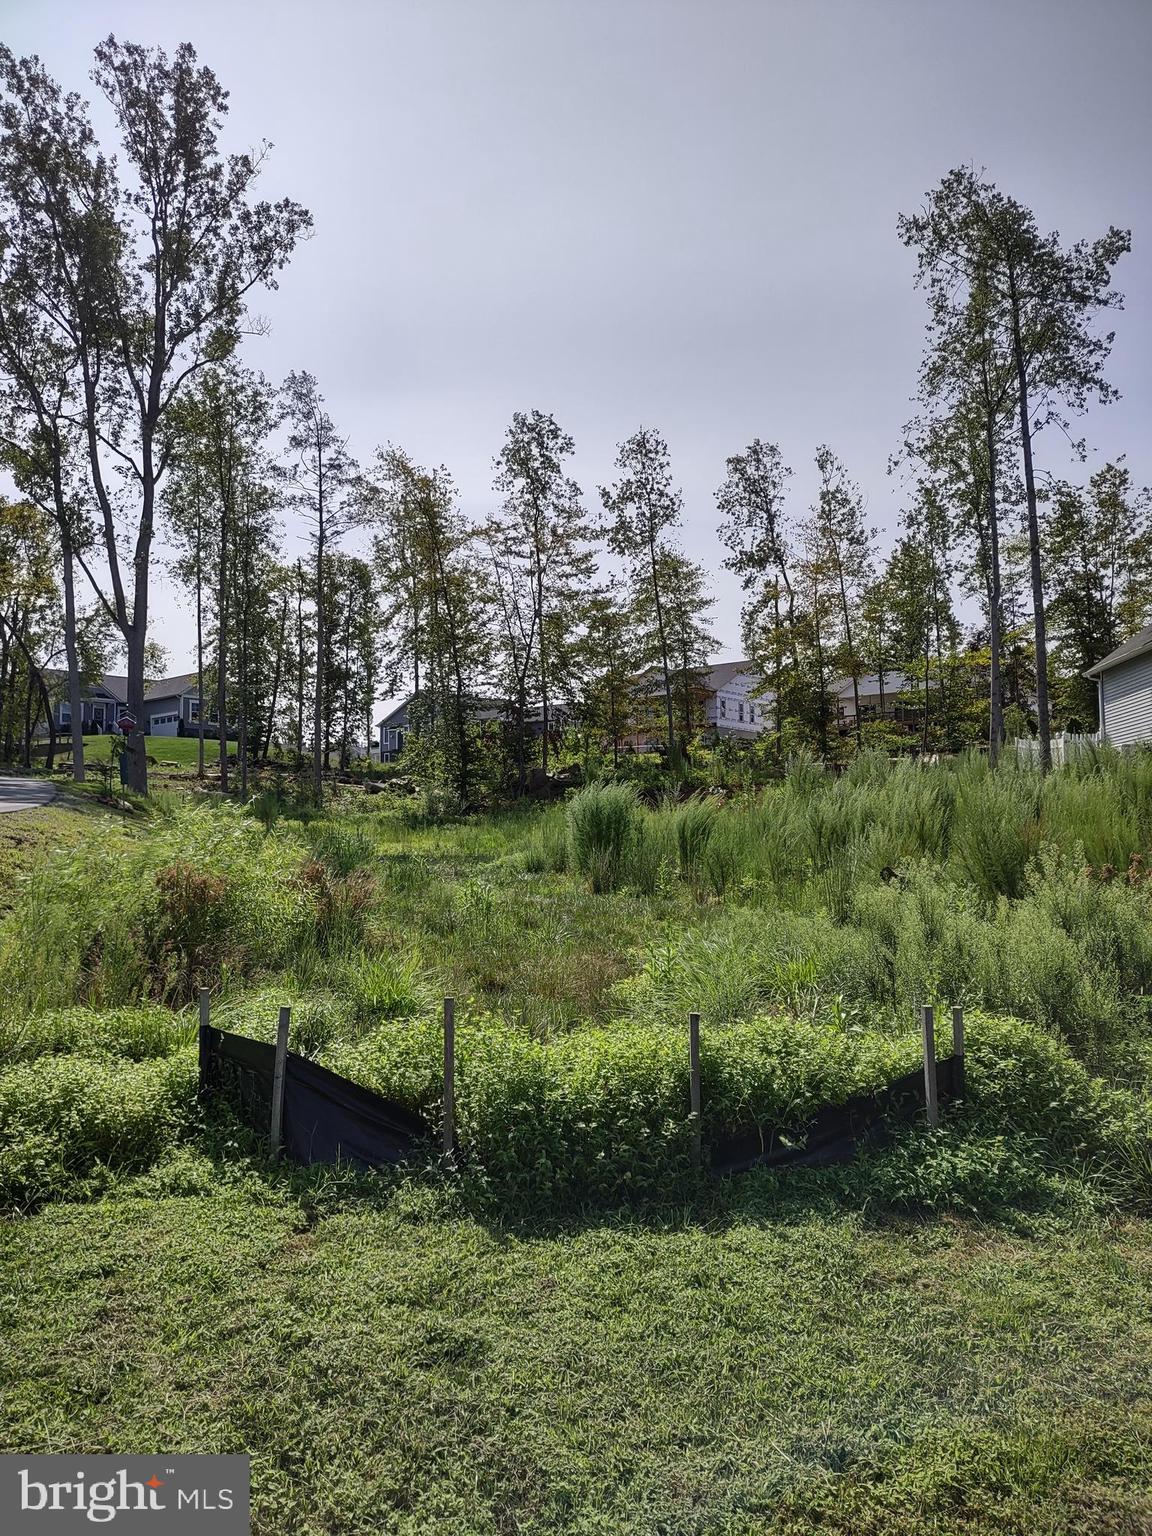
x: 449, y: 1080
x: 278, y: 1074
x: 694, y: 1085
x: 958, y: 1050
x: 931, y: 1093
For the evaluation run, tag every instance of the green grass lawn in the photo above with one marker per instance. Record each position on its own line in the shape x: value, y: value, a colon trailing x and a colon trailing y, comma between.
x: 398, y: 1366
x: 181, y: 750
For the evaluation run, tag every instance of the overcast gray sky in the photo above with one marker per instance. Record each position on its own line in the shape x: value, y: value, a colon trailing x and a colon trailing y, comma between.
x: 679, y: 213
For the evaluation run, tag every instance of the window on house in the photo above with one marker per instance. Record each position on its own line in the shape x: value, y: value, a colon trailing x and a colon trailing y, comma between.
x: 751, y: 714
x: 740, y: 710
x: 65, y: 714
x: 723, y: 708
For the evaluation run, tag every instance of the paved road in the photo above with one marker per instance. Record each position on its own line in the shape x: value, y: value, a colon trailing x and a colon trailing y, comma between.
x: 25, y: 794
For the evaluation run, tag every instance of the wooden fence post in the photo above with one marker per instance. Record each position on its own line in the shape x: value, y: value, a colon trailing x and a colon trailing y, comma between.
x: 449, y: 1080
x: 694, y: 1085
x: 931, y: 1094
x: 278, y: 1072
x: 205, y: 1018
x: 958, y: 1050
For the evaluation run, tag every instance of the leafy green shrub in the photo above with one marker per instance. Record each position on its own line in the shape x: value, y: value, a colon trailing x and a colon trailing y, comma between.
x: 133, y: 1033
x: 67, y: 1122
x: 958, y: 1167
x: 603, y: 830
x: 602, y: 1114
x: 1022, y: 1077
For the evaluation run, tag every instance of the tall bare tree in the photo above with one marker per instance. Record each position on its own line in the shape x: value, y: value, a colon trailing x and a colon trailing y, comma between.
x: 319, y: 473
x: 145, y: 282
x: 543, y: 528
x: 754, y: 530
x: 1039, y: 299
x: 643, y: 508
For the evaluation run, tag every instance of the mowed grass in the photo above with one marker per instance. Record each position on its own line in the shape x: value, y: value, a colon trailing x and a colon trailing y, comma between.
x: 181, y: 750
x: 396, y: 1366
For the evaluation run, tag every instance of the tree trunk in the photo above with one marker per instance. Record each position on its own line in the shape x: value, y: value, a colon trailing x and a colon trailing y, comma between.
x: 318, y: 724
x: 135, y: 742
x: 1043, y: 719
x: 199, y: 637
x: 46, y: 703
x: 278, y: 672
x: 778, y: 673
x: 669, y: 713
x: 7, y: 672
x: 242, y: 725
x: 299, y: 669
x: 75, y: 697
x: 543, y: 661
x: 28, y: 692
x: 995, y: 609
x: 223, y: 617
x: 821, y: 680
x: 844, y: 612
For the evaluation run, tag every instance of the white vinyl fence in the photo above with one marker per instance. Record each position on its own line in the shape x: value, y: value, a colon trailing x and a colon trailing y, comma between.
x: 1066, y: 748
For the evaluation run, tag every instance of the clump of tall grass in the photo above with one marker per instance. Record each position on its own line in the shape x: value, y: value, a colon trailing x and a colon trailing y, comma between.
x: 996, y: 832
x: 267, y: 807
x: 804, y: 773
x: 547, y: 851
x: 695, y: 822
x: 604, y: 828
x: 343, y: 846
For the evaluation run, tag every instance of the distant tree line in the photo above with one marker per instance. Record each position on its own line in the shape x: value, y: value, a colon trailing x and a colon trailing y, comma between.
x: 126, y: 412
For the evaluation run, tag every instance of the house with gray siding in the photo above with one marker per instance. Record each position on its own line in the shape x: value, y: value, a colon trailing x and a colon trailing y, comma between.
x: 391, y: 731
x: 102, y: 702
x: 171, y: 706
x: 392, y: 728
x: 1124, y: 691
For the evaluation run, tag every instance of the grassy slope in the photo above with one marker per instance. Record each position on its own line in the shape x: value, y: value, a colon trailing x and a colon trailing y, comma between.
x: 401, y: 1367
x: 405, y: 1369
x: 26, y: 837
x: 176, y: 749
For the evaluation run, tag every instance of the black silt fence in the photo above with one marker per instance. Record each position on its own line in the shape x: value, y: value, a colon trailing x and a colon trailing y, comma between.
x: 325, y: 1119
x: 836, y: 1132
x: 316, y: 1116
